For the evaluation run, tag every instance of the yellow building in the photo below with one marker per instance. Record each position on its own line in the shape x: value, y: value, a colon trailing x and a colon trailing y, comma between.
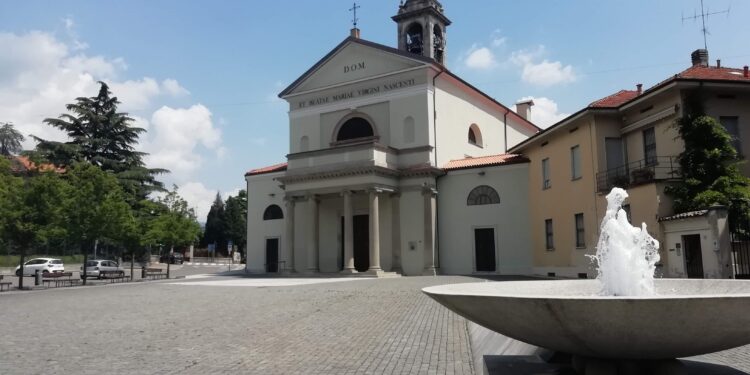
x: 629, y: 140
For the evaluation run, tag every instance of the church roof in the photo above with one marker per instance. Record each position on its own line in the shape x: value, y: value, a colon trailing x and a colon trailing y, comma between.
x: 522, y: 121
x: 265, y: 170
x: 485, y: 161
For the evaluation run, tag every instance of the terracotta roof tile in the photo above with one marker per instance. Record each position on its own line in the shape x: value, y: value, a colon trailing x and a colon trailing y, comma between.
x: 685, y: 215
x: 23, y: 163
x: 713, y: 73
x: 485, y: 161
x: 614, y: 100
x: 270, y: 169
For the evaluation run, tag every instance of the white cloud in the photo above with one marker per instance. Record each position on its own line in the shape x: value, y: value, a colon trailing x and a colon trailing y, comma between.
x: 544, y: 72
x: 544, y: 113
x: 498, y: 40
x: 172, y: 87
x: 481, y: 58
x: 199, y: 197
x: 176, y: 135
x: 40, y: 74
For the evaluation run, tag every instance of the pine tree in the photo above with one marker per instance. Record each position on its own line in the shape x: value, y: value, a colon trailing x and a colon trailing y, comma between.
x: 236, y: 219
x: 10, y: 140
x: 105, y: 138
x: 215, y: 232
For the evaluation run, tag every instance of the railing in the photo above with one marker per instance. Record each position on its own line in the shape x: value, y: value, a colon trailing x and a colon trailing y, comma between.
x: 639, y: 172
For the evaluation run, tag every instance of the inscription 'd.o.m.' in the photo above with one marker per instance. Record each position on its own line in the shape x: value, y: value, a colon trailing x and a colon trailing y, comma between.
x: 354, y: 67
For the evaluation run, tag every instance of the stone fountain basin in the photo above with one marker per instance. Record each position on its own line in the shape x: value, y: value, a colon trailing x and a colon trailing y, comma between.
x: 686, y: 318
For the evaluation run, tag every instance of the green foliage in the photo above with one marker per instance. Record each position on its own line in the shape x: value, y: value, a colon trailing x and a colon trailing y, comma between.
x: 10, y: 140
x: 175, y: 224
x: 103, y: 137
x: 235, y: 219
x: 96, y: 208
x: 709, y: 165
x: 216, y: 228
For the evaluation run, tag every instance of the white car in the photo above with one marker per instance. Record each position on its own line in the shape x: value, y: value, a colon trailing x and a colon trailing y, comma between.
x: 44, y: 265
x: 94, y: 268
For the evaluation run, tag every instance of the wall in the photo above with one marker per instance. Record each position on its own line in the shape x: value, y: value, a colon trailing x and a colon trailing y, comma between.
x: 263, y: 190
x: 715, y: 246
x: 457, y: 220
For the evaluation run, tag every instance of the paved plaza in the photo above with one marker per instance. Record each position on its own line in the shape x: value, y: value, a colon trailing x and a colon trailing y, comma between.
x: 234, y: 325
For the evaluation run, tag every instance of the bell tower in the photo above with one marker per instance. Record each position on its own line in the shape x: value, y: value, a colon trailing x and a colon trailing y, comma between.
x: 421, y: 28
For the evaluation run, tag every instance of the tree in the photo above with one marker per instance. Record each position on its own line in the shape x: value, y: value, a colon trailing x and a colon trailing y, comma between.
x: 175, y: 226
x: 709, y: 164
x: 103, y: 137
x: 235, y: 219
x: 216, y: 227
x: 10, y: 140
x: 96, y: 209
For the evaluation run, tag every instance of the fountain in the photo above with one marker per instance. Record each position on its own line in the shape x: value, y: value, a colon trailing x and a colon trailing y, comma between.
x: 625, y: 314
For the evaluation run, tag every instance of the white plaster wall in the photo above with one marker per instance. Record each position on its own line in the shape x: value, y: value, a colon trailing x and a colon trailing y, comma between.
x: 456, y: 111
x: 510, y: 218
x: 260, y: 190
x: 673, y: 232
x: 411, y: 206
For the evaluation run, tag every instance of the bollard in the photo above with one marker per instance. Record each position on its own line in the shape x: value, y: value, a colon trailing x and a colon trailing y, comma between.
x: 37, y: 278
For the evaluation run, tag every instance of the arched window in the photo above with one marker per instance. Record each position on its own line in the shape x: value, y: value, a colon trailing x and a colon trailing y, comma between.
x: 273, y: 212
x: 409, y: 130
x: 483, y: 195
x: 304, y: 144
x: 354, y: 128
x: 414, y: 39
x: 438, y: 43
x: 475, y: 136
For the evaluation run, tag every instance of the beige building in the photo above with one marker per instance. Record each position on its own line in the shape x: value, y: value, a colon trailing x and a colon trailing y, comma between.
x: 393, y: 166
x: 629, y: 140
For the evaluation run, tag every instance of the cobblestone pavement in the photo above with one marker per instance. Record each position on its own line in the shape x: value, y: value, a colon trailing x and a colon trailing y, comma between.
x: 384, y: 326
x: 350, y: 327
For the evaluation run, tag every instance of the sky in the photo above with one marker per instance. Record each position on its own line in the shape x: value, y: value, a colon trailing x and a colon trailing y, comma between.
x: 203, y: 76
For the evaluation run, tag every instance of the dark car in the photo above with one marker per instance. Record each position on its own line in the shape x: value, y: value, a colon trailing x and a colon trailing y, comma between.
x: 175, y: 258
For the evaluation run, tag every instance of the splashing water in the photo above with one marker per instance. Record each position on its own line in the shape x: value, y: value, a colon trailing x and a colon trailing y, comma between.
x: 626, y: 256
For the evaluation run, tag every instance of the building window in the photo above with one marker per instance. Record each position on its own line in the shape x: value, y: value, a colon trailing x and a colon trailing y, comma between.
x: 649, y: 146
x: 549, y: 235
x: 546, y: 183
x: 482, y: 195
x: 414, y: 38
x: 732, y: 125
x: 580, y: 232
x: 354, y: 128
x: 409, y: 130
x: 475, y: 136
x: 575, y: 162
x: 273, y: 212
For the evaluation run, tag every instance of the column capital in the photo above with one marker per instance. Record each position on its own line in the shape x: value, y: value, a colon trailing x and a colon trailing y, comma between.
x: 429, y: 190
x: 346, y: 192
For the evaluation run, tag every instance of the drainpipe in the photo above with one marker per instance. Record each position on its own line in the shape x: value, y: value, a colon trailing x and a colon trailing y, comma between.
x: 505, y: 129
x: 437, y: 206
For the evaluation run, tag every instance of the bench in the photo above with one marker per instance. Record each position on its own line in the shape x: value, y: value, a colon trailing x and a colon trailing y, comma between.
x: 59, y: 279
x: 4, y: 285
x: 155, y: 274
x: 113, y: 276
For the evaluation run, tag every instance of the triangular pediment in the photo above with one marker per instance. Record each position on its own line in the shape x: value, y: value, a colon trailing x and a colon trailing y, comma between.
x: 354, y: 60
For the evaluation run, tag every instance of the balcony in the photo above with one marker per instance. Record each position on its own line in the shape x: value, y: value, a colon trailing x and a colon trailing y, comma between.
x: 638, y: 173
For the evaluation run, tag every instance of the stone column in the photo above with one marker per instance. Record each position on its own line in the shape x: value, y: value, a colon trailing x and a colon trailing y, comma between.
x: 396, y: 232
x: 289, y: 235
x: 348, y: 233
x: 374, y: 231
x: 429, y: 231
x: 312, y: 238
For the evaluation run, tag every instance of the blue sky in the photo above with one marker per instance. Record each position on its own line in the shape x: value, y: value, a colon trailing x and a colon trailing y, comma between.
x: 203, y: 76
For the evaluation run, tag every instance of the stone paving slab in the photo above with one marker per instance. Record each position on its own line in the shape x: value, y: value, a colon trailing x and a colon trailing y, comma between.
x: 377, y: 326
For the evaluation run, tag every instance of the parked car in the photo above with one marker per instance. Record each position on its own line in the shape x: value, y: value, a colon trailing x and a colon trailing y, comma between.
x: 94, y: 268
x: 175, y: 258
x: 45, y: 265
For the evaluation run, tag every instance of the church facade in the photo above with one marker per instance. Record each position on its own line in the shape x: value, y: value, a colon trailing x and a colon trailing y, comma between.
x: 395, y: 165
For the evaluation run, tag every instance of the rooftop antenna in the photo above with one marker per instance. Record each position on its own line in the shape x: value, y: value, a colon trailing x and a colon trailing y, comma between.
x: 355, y: 19
x: 702, y: 15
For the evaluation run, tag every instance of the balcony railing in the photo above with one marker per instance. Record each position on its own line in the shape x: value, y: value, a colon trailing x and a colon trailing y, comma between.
x: 639, y: 172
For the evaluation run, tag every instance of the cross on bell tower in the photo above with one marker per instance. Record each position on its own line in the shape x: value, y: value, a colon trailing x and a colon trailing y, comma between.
x: 421, y: 28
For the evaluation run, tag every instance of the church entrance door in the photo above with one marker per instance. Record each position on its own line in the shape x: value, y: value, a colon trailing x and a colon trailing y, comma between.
x: 361, y: 242
x: 484, y: 248
x: 272, y: 255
